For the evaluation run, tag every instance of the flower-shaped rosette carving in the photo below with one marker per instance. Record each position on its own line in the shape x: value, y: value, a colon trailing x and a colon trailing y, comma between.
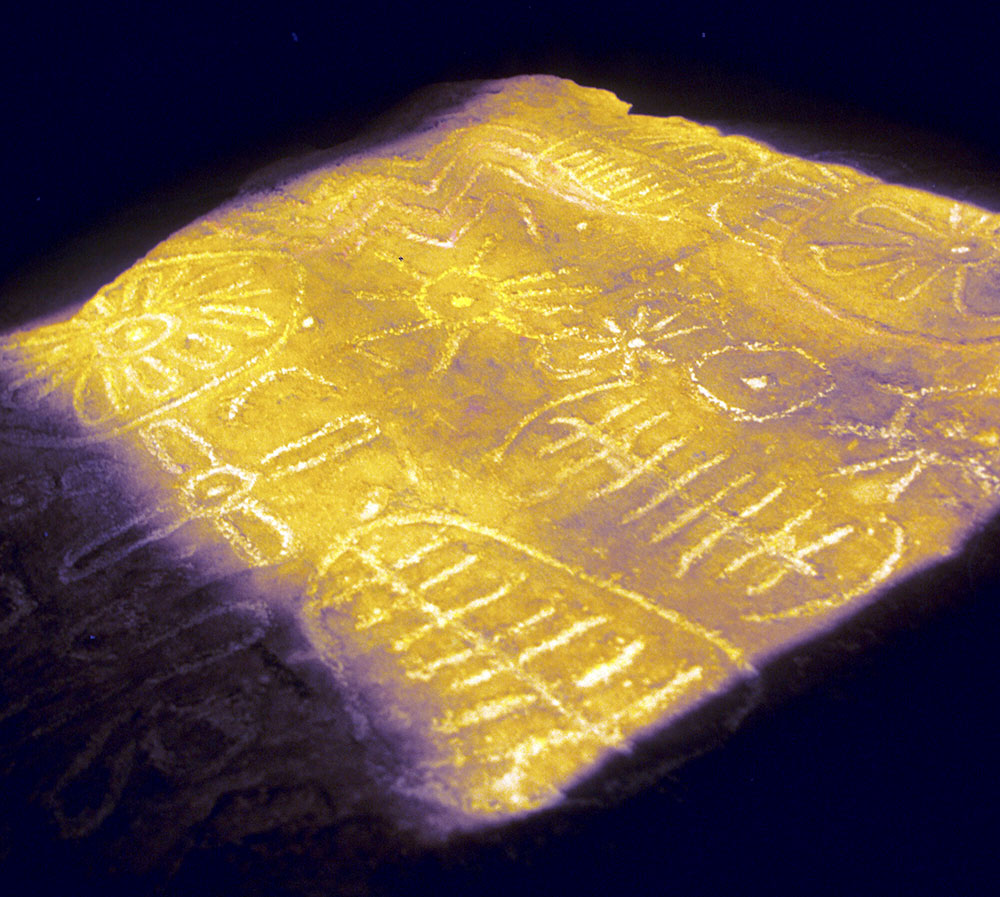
x: 160, y: 334
x: 758, y: 382
x: 616, y: 347
x: 775, y: 198
x: 904, y: 261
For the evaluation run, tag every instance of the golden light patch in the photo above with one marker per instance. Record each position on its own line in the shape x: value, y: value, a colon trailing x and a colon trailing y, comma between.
x: 565, y: 418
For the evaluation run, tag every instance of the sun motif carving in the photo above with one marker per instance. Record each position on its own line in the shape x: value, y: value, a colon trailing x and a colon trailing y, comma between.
x: 926, y: 432
x: 159, y: 333
x: 616, y: 347
x: 459, y: 300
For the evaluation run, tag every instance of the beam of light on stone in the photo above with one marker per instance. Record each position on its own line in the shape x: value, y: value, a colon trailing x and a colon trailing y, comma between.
x: 564, y: 419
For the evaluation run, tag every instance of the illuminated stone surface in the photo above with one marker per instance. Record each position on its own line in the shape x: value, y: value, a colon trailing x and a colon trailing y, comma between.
x: 554, y: 422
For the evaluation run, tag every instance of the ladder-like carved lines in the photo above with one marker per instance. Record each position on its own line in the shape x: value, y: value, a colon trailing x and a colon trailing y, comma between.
x: 447, y: 573
x: 781, y: 546
x: 605, y: 176
x: 404, y: 642
x: 533, y: 620
x: 579, y: 428
x: 479, y: 648
x: 428, y: 670
x: 606, y: 731
x: 607, y: 670
x: 564, y: 161
x: 474, y: 680
x: 486, y: 712
x: 631, y: 474
x: 651, y: 703
x: 692, y: 514
x: 616, y: 451
x: 673, y: 487
x: 626, y: 182
x: 416, y: 556
x: 728, y: 525
x: 579, y: 466
x: 452, y: 182
x: 571, y: 632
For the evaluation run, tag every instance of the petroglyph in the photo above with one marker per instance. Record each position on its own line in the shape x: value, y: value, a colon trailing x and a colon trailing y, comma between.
x: 516, y: 648
x: 557, y: 421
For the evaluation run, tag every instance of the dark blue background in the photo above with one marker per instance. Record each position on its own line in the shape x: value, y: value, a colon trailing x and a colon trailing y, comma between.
x: 106, y: 103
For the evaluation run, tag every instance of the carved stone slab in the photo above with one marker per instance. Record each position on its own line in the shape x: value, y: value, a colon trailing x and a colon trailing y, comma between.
x: 547, y: 424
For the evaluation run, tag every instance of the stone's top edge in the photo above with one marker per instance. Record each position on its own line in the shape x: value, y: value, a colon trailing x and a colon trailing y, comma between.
x: 406, y: 127
x: 410, y: 128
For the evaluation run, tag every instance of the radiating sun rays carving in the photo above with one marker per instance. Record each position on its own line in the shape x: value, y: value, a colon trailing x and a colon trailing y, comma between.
x: 458, y: 301
x: 623, y: 346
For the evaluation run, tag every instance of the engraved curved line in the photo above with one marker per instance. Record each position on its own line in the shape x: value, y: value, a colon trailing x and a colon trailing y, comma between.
x: 99, y: 553
x: 242, y: 542
x: 86, y: 821
x: 214, y: 654
x: 402, y: 330
x: 958, y: 294
x: 855, y: 218
x: 155, y: 446
x: 810, y: 608
x: 955, y: 272
x: 525, y: 422
x: 741, y: 413
x: 17, y: 596
x: 25, y: 496
x: 733, y: 652
x: 239, y: 320
x: 240, y: 400
x: 365, y: 431
x: 840, y: 314
x: 820, y: 251
x: 818, y: 193
x: 29, y: 438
